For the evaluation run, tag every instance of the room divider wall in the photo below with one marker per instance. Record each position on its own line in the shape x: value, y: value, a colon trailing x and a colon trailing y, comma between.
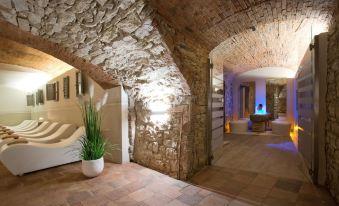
x: 311, y: 108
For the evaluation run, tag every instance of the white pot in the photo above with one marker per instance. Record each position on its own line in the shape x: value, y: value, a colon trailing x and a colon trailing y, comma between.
x: 92, y: 168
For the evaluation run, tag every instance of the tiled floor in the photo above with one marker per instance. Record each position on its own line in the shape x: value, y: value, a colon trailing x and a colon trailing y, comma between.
x: 128, y: 184
x: 132, y: 184
x: 267, y: 154
x: 261, y: 170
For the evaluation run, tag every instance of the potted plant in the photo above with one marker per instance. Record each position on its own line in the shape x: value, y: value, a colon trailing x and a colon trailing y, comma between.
x: 93, y: 145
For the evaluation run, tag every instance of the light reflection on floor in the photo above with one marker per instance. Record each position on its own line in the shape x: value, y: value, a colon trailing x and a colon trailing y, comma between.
x: 284, y: 146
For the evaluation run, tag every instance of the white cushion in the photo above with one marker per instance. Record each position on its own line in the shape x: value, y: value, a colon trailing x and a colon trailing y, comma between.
x: 239, y: 126
x: 281, y: 128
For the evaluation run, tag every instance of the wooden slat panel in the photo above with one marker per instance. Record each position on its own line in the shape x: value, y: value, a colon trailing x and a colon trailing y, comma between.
x: 217, y: 132
x: 217, y: 82
x: 216, y: 114
x: 309, y: 75
x: 217, y: 142
x: 305, y: 113
x: 217, y: 104
x: 305, y: 100
x: 306, y: 88
x: 305, y: 94
x: 218, y: 123
x: 215, y: 95
x: 217, y: 109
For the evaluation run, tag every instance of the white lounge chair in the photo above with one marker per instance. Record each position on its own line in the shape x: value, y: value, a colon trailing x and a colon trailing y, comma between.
x: 40, y: 128
x: 239, y: 126
x: 50, y: 130
x: 22, y: 124
x: 62, y: 132
x: 28, y: 125
x: 33, y: 124
x: 23, y: 156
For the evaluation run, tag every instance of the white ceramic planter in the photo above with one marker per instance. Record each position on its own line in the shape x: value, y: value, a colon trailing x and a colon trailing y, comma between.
x: 92, y: 168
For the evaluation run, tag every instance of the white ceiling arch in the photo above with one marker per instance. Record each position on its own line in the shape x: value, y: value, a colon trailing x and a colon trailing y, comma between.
x: 268, y: 73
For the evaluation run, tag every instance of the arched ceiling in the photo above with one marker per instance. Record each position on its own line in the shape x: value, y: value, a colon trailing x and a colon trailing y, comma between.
x: 108, y: 40
x: 13, y: 53
x: 248, y: 34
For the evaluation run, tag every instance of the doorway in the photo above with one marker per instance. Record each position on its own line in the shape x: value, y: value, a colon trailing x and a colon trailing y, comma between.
x: 247, y: 99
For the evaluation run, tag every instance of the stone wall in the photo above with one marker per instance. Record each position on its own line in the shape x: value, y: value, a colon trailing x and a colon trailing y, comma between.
x: 276, y: 98
x: 121, y: 40
x: 332, y: 126
x: 191, y: 56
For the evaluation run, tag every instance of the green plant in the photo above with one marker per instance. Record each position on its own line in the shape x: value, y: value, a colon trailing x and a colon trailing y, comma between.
x: 93, y: 145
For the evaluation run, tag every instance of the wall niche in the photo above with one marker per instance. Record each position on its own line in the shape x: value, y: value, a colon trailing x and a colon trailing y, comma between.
x: 276, y: 94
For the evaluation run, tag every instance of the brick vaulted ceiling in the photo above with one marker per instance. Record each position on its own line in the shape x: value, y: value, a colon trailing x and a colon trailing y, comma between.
x: 249, y: 34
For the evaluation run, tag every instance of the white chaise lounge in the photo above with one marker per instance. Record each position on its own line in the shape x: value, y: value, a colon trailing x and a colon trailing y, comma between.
x: 239, y: 126
x: 23, y: 156
x: 62, y: 132
x: 48, y: 131
x: 40, y: 128
x: 281, y: 128
x: 22, y: 124
x: 29, y: 126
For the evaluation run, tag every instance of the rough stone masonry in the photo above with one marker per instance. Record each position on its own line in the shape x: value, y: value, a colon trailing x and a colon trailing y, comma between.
x: 332, y: 102
x: 123, y: 39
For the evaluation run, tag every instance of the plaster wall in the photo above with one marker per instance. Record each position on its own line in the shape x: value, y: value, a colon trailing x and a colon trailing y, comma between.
x: 13, y: 106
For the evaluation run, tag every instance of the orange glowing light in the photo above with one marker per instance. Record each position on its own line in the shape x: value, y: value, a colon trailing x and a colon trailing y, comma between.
x: 227, y: 127
x: 296, y: 128
x: 294, y: 134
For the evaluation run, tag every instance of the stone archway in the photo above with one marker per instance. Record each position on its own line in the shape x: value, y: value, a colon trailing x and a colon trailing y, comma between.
x: 156, y: 64
x: 10, y: 32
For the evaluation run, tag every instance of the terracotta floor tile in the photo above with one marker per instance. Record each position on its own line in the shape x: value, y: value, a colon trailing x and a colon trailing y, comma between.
x: 283, y: 195
x: 239, y: 203
x: 204, y: 192
x: 265, y: 181
x: 157, y: 199
x: 271, y: 201
x: 288, y: 185
x: 190, y: 190
x: 127, y: 201
x: 190, y: 199
x: 98, y: 200
x: 308, y: 188
x: 117, y: 194
x: 171, y: 192
x: 243, y: 178
x: 141, y: 195
x: 213, y: 200
x: 257, y: 191
x: 75, y: 197
x: 232, y: 188
x: 176, y: 203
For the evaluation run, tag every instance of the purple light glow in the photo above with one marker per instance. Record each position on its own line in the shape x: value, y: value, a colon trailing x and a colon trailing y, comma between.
x: 285, y: 146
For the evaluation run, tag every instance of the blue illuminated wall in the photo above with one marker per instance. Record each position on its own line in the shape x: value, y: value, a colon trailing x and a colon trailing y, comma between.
x: 260, y: 95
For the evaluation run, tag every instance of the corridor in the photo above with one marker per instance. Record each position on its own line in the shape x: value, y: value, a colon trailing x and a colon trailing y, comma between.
x: 262, y: 170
